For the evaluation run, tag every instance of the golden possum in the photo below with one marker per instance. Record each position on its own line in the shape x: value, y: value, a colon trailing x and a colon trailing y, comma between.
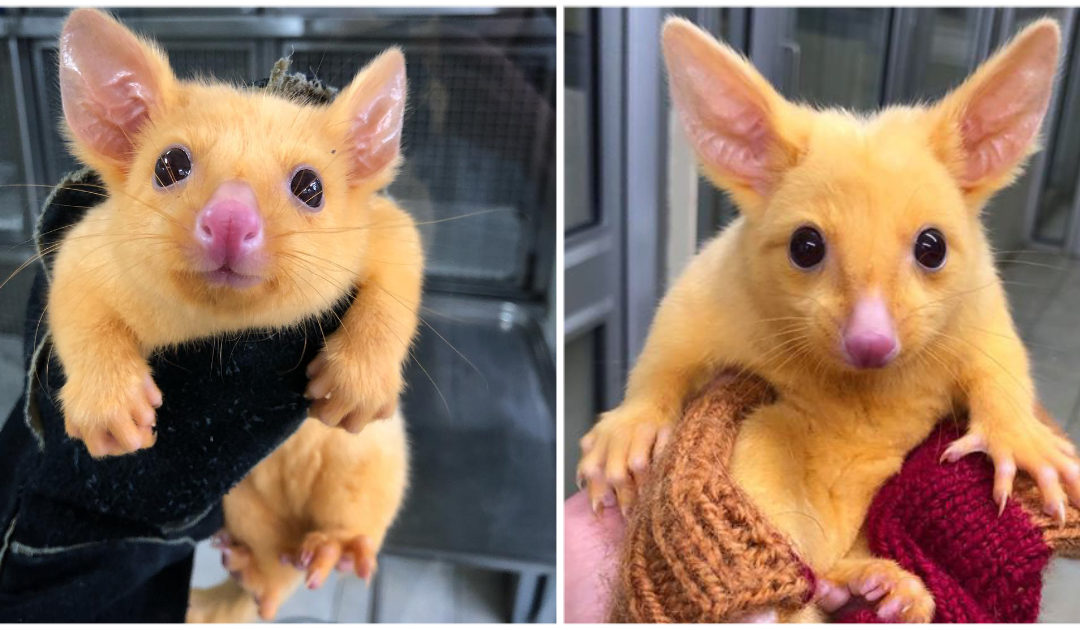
x: 230, y: 210
x: 859, y: 281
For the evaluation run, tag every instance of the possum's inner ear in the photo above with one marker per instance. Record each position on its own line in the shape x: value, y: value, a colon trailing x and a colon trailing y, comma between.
x: 371, y: 110
x: 991, y: 120
x: 110, y: 83
x: 732, y: 116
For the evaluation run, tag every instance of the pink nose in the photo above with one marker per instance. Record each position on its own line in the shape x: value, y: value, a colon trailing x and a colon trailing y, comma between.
x: 870, y: 337
x: 229, y: 227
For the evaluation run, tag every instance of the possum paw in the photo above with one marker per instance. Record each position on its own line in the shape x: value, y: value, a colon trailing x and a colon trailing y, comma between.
x: 321, y: 553
x: 1028, y: 446
x: 112, y: 411
x: 243, y: 568
x: 895, y: 594
x: 617, y: 452
x: 352, y: 388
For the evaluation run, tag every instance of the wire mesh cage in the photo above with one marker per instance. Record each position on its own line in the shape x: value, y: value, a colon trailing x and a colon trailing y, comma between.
x: 472, y: 136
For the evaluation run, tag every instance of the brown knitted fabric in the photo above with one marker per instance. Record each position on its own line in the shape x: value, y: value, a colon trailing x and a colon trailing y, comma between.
x: 697, y: 550
x: 1063, y: 539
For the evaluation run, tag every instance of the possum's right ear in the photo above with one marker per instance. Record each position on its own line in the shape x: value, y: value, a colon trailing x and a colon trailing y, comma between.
x: 745, y: 134
x: 111, y: 83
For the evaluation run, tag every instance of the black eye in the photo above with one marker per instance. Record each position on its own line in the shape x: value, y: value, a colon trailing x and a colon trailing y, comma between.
x: 307, y: 187
x: 807, y: 247
x: 172, y: 166
x: 930, y: 248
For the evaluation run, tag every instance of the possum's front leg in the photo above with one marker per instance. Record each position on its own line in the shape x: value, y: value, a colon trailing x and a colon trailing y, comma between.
x: 689, y: 330
x: 109, y: 396
x: 357, y: 377
x: 1004, y: 425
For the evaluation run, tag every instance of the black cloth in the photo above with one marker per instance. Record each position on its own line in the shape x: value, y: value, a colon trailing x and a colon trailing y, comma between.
x: 113, y: 538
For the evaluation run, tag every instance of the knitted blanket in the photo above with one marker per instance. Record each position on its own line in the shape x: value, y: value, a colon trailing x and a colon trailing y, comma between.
x: 697, y: 550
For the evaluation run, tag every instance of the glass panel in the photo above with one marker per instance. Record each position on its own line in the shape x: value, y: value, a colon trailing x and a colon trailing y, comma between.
x: 943, y: 50
x: 580, y: 396
x: 840, y: 59
x: 580, y: 104
x: 13, y: 190
x: 1062, y: 144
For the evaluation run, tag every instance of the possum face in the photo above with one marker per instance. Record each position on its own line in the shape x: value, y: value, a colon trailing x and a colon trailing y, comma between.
x: 225, y: 197
x: 861, y: 235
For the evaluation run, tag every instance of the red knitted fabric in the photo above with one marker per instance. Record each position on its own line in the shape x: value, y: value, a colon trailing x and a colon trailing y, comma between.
x: 939, y: 522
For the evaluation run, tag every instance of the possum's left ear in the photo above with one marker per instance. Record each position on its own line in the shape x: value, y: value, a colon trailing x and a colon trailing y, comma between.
x: 371, y: 110
x: 110, y: 84
x: 989, y: 123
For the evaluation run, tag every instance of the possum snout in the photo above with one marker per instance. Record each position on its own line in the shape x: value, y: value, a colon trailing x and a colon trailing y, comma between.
x: 229, y: 231
x: 870, y: 339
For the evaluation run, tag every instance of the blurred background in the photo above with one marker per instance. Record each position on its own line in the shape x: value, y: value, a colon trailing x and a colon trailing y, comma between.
x: 476, y: 538
x: 636, y: 210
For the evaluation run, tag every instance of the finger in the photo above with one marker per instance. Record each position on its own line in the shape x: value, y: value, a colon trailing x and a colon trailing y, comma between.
x: 220, y: 539
x: 663, y: 436
x: 143, y: 415
x: 153, y: 394
x: 615, y: 468
x: 641, y: 447
x: 1053, y: 496
x: 831, y: 596
x: 1070, y: 478
x: 316, y: 365
x: 1004, y: 474
x: 319, y: 386
x: 890, y: 608
x: 386, y: 410
x: 970, y: 443
x: 353, y: 422
x: 346, y: 563
x: 625, y: 495
x: 326, y: 556
x: 126, y: 433
x: 363, y: 552
x: 589, y: 466
x: 333, y: 412
x: 327, y: 411
x: 586, y: 442
x: 598, y: 490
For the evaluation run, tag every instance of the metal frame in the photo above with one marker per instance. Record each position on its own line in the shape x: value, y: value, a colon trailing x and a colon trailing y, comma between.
x: 645, y: 178
x: 1041, y: 160
x: 29, y: 168
x: 594, y: 253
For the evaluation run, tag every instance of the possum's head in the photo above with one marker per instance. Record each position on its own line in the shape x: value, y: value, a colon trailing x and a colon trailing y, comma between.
x: 227, y: 197
x: 861, y: 235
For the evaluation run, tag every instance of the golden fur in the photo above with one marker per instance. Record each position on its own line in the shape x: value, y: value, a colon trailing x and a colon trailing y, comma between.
x: 123, y: 286
x: 813, y: 461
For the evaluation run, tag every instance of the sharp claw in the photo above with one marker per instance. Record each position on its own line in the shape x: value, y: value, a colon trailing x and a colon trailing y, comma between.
x: 1056, y: 510
x: 598, y: 507
x: 1002, y: 501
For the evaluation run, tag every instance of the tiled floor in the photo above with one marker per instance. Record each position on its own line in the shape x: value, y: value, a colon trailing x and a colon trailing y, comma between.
x: 1045, y: 293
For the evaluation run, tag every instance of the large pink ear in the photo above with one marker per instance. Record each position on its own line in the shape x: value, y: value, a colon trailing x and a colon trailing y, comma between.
x: 110, y: 84
x: 733, y: 118
x: 371, y: 110
x: 989, y: 123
